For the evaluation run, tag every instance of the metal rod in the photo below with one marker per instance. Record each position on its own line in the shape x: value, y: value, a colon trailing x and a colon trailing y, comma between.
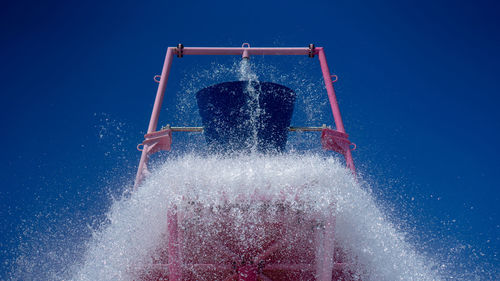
x: 186, y: 129
x: 291, y: 129
x: 329, y: 248
x: 331, y: 92
x: 153, y: 122
x: 350, y: 162
x: 289, y: 267
x: 306, y: 129
x: 173, y: 251
x: 211, y: 267
x: 239, y: 51
x: 141, y: 170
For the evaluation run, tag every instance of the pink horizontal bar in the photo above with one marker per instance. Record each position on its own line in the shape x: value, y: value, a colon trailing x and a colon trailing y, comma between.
x: 209, y: 267
x: 264, y: 277
x: 289, y: 267
x: 299, y: 266
x: 271, y: 267
x: 206, y: 267
x: 239, y: 51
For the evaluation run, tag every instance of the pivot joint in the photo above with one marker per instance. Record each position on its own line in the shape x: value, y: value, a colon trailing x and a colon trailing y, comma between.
x: 311, y: 50
x: 180, y: 50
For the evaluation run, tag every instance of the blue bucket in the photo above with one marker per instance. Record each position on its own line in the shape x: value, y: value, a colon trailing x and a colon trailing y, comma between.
x: 243, y: 116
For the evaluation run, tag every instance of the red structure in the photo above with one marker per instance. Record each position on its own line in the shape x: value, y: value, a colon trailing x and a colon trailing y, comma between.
x: 292, y: 246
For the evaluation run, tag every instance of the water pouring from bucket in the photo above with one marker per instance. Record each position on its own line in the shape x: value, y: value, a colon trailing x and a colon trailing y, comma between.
x: 246, y: 116
x: 247, y: 211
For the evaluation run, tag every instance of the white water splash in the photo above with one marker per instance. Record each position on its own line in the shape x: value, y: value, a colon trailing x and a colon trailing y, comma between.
x: 137, y: 223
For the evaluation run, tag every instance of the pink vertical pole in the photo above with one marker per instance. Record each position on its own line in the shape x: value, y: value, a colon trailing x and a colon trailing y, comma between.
x: 349, y: 161
x: 334, y: 104
x: 325, y: 241
x: 331, y: 92
x: 174, y: 255
x: 153, y: 122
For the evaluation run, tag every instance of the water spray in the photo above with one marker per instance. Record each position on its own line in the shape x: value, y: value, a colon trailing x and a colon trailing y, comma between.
x: 249, y: 211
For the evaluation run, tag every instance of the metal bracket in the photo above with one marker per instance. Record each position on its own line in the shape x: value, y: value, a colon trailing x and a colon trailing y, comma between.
x: 311, y: 50
x: 180, y: 50
x: 157, y: 141
x: 335, y: 140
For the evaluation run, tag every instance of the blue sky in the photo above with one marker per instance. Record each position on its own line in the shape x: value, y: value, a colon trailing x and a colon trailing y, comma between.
x: 418, y: 91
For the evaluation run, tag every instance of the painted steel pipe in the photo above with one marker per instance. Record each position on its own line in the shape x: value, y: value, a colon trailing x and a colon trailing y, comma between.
x: 291, y: 129
x: 174, y: 254
x: 153, y: 122
x: 186, y: 51
x: 331, y: 92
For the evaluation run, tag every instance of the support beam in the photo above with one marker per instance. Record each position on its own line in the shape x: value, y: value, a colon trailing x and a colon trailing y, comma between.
x: 186, y: 51
x: 153, y: 122
x: 331, y: 92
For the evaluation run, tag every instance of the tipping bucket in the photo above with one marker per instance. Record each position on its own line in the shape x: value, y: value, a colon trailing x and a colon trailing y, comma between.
x: 244, y: 115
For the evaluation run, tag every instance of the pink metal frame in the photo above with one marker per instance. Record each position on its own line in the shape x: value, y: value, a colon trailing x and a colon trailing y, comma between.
x: 331, y: 139
x: 336, y: 140
x: 323, y: 268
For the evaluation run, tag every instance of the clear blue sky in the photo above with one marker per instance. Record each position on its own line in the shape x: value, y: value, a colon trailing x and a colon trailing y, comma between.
x: 418, y: 92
